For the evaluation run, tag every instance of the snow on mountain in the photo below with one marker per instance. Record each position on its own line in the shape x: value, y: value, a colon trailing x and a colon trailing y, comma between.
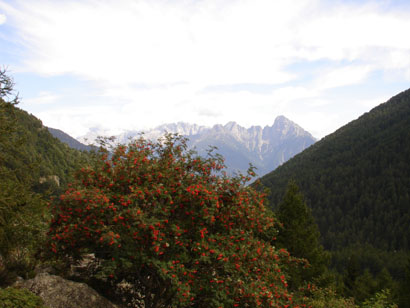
x: 266, y: 148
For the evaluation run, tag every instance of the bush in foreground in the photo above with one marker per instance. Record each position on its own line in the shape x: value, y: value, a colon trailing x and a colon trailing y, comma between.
x: 19, y: 298
x: 174, y: 228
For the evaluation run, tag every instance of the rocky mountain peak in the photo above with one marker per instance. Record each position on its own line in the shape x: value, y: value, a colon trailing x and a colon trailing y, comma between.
x: 265, y: 148
x: 230, y: 125
x: 285, y: 127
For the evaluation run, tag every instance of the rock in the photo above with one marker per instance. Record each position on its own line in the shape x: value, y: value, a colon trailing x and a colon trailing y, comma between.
x: 50, y: 178
x: 58, y: 292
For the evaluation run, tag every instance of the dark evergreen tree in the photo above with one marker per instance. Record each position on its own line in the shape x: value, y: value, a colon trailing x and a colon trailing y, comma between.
x: 364, y: 286
x: 351, y: 274
x: 300, y: 235
x: 404, y: 294
x: 384, y: 280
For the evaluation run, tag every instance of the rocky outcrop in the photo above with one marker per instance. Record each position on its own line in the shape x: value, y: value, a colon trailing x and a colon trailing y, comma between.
x: 58, y: 292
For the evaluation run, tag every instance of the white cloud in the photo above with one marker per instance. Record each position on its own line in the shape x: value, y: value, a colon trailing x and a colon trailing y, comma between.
x: 207, y: 42
x: 364, y: 33
x: 125, y: 42
x: 3, y: 19
x: 43, y: 98
x: 316, y: 122
x: 339, y: 77
x: 152, y: 59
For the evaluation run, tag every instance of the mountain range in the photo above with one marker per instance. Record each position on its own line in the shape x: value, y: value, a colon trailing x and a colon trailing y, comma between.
x: 264, y: 147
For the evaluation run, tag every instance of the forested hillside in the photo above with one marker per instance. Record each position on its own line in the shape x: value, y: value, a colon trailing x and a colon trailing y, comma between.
x: 357, y: 179
x: 357, y: 183
x: 47, y: 158
x: 33, y: 166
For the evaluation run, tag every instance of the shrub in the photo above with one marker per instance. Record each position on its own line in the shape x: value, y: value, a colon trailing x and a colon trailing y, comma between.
x: 173, y: 227
x: 382, y: 299
x: 325, y: 298
x: 19, y: 298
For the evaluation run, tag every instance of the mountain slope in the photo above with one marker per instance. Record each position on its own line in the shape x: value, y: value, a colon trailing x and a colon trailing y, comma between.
x: 40, y: 157
x: 357, y: 180
x: 33, y: 166
x: 266, y: 148
x: 67, y: 139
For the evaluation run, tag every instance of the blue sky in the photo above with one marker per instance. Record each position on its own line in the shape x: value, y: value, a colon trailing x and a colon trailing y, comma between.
x: 127, y: 64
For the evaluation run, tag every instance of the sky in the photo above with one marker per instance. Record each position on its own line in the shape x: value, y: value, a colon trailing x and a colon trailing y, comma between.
x: 119, y: 65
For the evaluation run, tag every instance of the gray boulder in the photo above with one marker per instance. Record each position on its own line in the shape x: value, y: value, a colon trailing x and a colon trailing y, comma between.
x: 58, y: 292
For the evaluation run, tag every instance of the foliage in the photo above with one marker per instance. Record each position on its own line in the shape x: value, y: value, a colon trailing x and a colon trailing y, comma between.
x: 300, y: 236
x: 7, y: 91
x: 31, y: 163
x: 371, y: 258
x: 381, y: 299
x: 325, y: 298
x: 19, y: 207
x: 19, y: 298
x: 173, y: 227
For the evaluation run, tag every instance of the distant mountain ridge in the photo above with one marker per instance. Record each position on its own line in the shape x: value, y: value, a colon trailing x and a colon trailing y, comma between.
x: 67, y: 139
x: 266, y: 148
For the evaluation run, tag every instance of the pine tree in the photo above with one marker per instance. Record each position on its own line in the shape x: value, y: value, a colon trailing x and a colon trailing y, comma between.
x: 300, y: 235
x: 351, y: 274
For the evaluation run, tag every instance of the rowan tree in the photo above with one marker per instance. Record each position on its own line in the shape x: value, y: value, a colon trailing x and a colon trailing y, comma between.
x: 172, y: 228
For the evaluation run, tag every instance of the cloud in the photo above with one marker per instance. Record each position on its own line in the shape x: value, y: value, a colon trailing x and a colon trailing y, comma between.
x: 366, y: 34
x: 344, y: 76
x: 43, y: 98
x: 152, y: 61
x: 123, y: 42
x: 3, y: 19
x: 206, y: 42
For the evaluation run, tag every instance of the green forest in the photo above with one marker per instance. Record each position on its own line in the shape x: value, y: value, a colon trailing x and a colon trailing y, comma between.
x: 356, y: 182
x: 329, y: 228
x: 34, y: 166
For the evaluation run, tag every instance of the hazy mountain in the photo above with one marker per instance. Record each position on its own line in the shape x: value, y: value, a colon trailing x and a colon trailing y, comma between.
x: 67, y: 139
x: 266, y: 148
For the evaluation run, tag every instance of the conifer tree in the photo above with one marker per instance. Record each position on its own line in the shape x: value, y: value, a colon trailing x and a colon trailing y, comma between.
x: 300, y: 235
